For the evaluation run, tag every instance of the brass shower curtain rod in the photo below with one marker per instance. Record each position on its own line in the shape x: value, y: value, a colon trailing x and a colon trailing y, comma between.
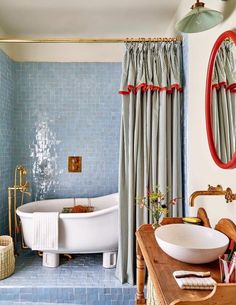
x: 86, y: 40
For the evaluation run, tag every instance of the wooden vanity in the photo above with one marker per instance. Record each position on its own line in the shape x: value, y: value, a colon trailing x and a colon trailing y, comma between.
x: 160, y: 268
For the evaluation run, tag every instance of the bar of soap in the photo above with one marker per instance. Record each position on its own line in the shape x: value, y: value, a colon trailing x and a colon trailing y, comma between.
x: 193, y: 220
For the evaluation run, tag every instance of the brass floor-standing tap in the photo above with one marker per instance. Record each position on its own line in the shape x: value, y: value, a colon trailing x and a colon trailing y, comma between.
x: 22, y: 186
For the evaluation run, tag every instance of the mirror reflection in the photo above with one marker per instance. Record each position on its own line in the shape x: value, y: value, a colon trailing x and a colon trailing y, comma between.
x: 223, y: 104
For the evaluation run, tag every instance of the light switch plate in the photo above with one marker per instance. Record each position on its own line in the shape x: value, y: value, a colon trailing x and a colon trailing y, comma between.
x: 74, y: 164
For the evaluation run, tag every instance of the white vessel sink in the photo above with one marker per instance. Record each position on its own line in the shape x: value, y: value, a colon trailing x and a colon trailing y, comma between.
x: 191, y: 243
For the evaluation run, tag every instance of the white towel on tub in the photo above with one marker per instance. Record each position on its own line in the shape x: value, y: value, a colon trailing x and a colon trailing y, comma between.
x: 45, y: 235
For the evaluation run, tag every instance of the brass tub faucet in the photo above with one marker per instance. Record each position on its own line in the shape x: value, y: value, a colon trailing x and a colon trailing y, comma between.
x: 21, y: 185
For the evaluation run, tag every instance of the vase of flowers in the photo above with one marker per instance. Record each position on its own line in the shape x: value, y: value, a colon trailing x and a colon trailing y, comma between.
x: 156, y: 203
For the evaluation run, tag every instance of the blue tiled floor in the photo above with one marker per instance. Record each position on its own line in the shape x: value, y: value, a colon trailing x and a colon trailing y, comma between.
x: 81, y: 281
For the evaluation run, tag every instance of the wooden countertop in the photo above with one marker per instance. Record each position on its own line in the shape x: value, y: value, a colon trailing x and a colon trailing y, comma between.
x: 161, y: 267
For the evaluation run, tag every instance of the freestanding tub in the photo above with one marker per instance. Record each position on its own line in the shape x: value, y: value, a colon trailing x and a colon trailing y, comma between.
x: 92, y: 232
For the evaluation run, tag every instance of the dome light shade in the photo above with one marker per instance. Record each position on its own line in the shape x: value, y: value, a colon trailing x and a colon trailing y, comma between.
x: 199, y: 19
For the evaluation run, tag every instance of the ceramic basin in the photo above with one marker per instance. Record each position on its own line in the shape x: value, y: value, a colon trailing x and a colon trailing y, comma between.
x: 191, y: 243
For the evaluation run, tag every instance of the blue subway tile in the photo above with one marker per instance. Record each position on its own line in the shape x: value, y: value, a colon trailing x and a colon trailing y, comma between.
x: 50, y: 111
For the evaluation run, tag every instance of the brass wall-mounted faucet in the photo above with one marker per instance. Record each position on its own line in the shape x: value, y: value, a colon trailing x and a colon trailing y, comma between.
x: 214, y: 191
x: 22, y: 186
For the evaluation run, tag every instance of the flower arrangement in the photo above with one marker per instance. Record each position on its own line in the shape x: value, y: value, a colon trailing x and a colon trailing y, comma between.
x: 155, y: 201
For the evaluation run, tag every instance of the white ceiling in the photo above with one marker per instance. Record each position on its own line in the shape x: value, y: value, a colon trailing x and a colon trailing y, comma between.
x: 91, y: 18
x: 94, y: 18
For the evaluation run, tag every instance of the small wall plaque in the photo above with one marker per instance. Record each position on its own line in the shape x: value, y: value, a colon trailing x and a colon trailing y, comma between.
x: 74, y: 164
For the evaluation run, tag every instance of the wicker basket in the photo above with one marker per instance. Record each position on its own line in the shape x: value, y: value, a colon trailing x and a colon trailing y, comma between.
x: 7, y: 258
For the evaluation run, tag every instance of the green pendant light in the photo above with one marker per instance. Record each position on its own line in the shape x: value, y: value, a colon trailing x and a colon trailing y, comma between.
x: 199, y: 19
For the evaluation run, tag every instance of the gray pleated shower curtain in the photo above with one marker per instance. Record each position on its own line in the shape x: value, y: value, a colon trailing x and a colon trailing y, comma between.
x: 224, y: 102
x: 150, y: 139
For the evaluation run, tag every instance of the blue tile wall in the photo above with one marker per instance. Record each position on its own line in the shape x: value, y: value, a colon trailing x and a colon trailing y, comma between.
x: 50, y: 111
x: 6, y: 134
x: 64, y: 109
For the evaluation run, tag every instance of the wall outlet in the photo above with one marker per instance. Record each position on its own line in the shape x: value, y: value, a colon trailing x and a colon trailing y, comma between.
x: 74, y: 164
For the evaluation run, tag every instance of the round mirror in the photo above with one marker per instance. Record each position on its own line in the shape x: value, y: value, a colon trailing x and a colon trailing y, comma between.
x: 221, y: 101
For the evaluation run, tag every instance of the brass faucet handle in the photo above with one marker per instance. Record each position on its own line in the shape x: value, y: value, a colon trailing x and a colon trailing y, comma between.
x: 217, y: 188
x: 24, y: 189
x: 229, y: 196
x: 26, y: 185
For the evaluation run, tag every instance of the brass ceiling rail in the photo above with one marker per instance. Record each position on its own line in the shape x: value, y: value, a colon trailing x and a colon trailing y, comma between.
x: 213, y: 191
x: 88, y: 40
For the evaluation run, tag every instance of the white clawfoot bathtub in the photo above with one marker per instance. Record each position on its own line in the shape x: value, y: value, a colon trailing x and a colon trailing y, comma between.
x: 95, y: 232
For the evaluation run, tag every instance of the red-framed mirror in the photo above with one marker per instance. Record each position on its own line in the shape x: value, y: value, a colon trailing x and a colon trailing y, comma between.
x: 221, y: 101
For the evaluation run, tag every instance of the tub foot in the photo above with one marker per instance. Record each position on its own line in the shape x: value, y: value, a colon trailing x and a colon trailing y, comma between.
x: 109, y: 259
x: 50, y: 259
